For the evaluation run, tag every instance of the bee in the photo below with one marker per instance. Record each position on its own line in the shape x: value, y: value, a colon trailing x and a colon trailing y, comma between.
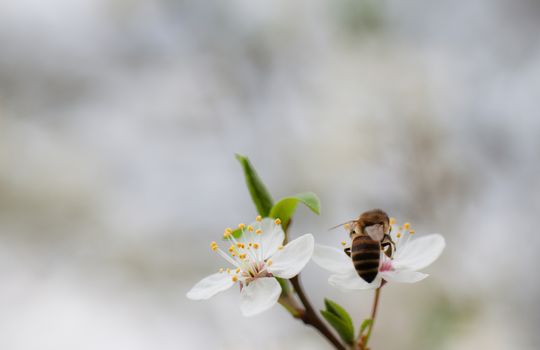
x: 370, y: 234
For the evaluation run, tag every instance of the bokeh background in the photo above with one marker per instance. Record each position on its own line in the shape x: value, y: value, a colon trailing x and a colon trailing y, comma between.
x: 119, y: 120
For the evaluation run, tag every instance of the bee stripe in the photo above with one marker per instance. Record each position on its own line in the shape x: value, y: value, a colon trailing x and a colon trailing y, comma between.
x: 366, y: 265
x: 360, y: 245
x: 365, y: 255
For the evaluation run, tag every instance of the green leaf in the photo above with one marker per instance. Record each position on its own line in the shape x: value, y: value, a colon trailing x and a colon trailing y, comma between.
x: 340, y: 319
x: 285, y: 208
x: 365, y: 324
x: 337, y: 310
x: 259, y: 194
x: 344, y: 329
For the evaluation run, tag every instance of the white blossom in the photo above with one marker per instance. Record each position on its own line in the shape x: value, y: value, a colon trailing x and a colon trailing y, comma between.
x: 411, y: 255
x: 255, y: 259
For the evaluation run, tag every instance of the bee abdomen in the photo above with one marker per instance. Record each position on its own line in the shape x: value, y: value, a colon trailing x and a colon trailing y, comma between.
x: 365, y: 254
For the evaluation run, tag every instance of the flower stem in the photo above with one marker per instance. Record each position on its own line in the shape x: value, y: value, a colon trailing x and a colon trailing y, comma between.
x: 311, y: 318
x: 309, y: 315
x: 363, y: 340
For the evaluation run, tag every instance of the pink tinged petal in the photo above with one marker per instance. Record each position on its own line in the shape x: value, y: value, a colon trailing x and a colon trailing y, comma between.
x: 271, y: 238
x: 403, y: 276
x: 259, y: 295
x: 419, y: 252
x: 351, y: 281
x: 332, y: 259
x: 289, y: 261
x: 210, y: 286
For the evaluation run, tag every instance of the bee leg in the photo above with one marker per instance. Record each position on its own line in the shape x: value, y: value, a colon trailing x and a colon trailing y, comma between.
x: 388, y: 246
x: 347, y: 251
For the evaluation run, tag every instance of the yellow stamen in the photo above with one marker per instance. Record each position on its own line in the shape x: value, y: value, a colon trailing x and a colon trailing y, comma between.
x: 255, y: 245
x: 229, y: 230
x: 259, y: 231
x: 277, y: 221
x: 237, y: 270
x: 343, y: 243
x: 213, y: 246
x: 250, y: 228
x: 269, y: 262
x: 226, y: 235
x: 250, y: 244
x: 392, y: 221
x: 231, y: 248
x: 398, y: 235
x: 234, y: 278
x: 412, y: 232
x: 242, y: 256
x: 221, y: 270
x: 258, y: 218
x: 280, y: 247
x: 347, y: 227
x: 228, y: 270
x: 241, y: 226
x: 406, y: 226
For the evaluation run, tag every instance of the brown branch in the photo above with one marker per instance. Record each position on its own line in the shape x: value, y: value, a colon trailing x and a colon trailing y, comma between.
x: 310, y: 316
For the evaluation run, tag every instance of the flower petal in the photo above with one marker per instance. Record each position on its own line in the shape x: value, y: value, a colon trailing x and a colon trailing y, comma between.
x: 289, y: 261
x: 332, y: 259
x: 351, y: 281
x: 419, y: 252
x: 271, y: 238
x: 259, y: 295
x: 403, y: 276
x: 210, y: 286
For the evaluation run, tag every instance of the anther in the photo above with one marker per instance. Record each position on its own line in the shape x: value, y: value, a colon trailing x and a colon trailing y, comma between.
x: 242, y: 256
x: 213, y: 246
x: 228, y: 270
x: 250, y: 228
x: 269, y: 262
x: 398, y: 235
x: 221, y: 270
x: 234, y: 278
x: 392, y: 221
x: 229, y: 230
x: 258, y: 218
x: 280, y: 247
x: 241, y: 226
x: 347, y: 227
x: 406, y: 226
x: 343, y: 243
x: 277, y: 221
x: 259, y: 231
x: 226, y: 235
x: 412, y: 232
x: 255, y: 245
x: 237, y: 270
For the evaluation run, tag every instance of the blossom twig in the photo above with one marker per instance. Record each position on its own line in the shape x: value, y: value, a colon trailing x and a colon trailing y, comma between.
x: 364, y: 339
x: 310, y: 317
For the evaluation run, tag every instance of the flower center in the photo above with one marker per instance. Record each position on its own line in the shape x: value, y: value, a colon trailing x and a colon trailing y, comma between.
x: 245, y: 252
x: 386, y: 265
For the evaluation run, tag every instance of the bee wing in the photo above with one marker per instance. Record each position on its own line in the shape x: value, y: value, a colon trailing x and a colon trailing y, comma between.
x: 375, y: 232
x: 343, y: 224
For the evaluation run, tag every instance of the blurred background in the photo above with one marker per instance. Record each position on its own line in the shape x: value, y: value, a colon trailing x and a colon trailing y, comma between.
x: 119, y: 120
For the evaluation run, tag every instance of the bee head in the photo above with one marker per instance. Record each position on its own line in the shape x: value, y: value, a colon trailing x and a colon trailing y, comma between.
x: 372, y: 219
